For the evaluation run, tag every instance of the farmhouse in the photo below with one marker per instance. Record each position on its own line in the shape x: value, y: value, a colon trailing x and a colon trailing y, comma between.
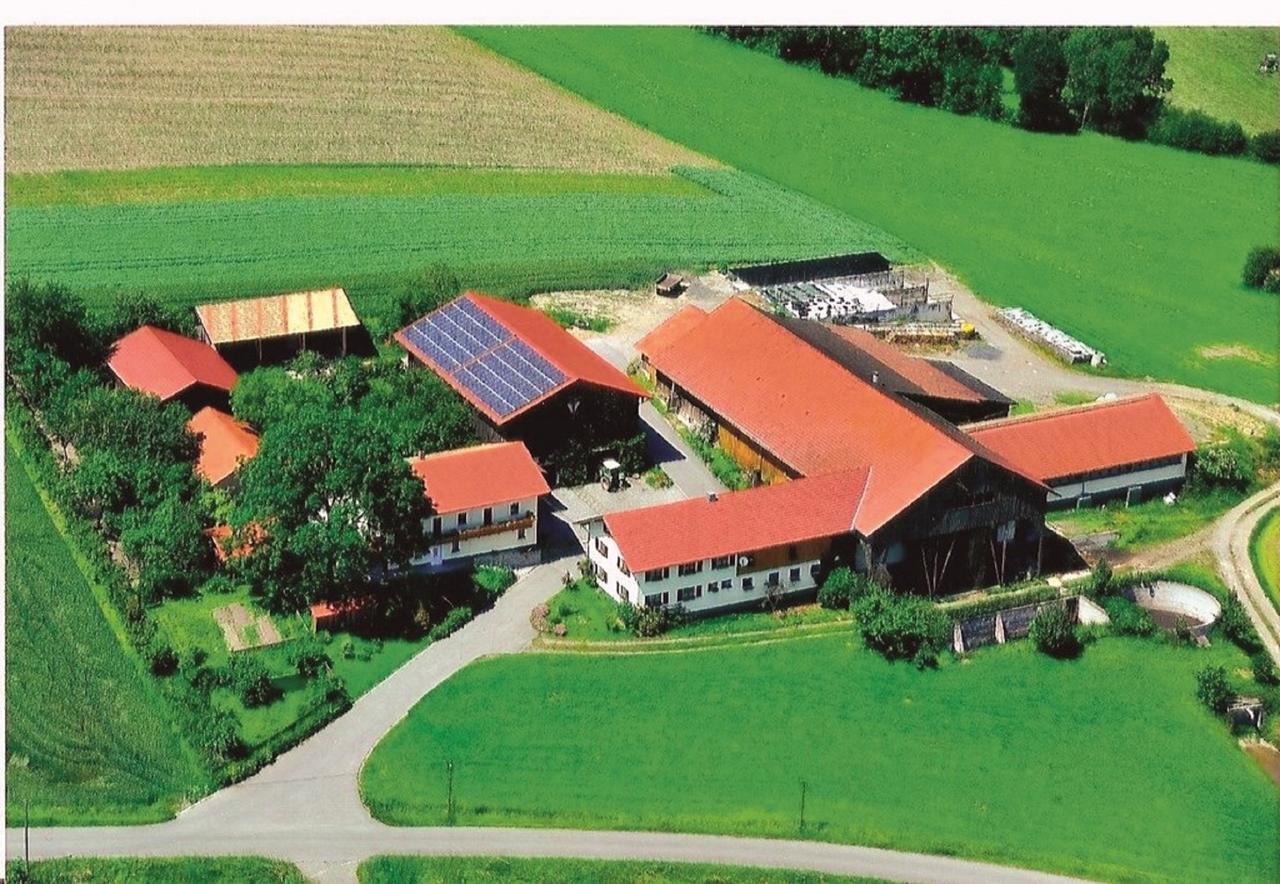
x: 484, y: 502
x: 1133, y: 448
x: 275, y: 328
x: 939, y: 510
x: 225, y: 443
x: 526, y: 377
x: 171, y: 367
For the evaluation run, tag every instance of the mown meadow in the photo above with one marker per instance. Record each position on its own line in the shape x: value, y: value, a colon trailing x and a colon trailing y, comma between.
x: 475, y: 869
x: 180, y: 870
x: 1104, y: 766
x: 1136, y: 249
x: 1215, y: 70
x: 88, y: 736
x: 508, y: 232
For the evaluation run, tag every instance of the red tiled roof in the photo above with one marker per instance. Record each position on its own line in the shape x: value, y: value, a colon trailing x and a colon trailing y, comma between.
x: 224, y: 443
x: 927, y: 378
x: 1071, y: 441
x: 740, y: 521
x: 810, y: 412
x: 479, y: 476
x: 685, y: 319
x: 219, y: 534
x: 164, y: 364
x: 576, y: 361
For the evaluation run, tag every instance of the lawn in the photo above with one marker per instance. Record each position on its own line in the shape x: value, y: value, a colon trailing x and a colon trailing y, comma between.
x: 112, y: 98
x: 183, y: 870
x: 1150, y: 522
x: 88, y: 738
x: 511, y: 233
x: 1264, y: 549
x: 1104, y: 766
x: 1216, y: 70
x: 1085, y: 231
x: 475, y: 869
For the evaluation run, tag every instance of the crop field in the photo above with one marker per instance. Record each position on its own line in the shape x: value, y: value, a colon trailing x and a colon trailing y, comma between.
x: 476, y: 869
x: 87, y: 738
x: 1216, y: 70
x: 1136, y: 249
x: 985, y: 758
x: 513, y: 235
x: 114, y: 98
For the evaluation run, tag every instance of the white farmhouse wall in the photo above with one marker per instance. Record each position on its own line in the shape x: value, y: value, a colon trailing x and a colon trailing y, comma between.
x: 449, y: 545
x: 1112, y: 486
x: 706, y: 590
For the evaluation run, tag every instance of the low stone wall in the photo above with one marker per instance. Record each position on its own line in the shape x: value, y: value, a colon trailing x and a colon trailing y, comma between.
x: 1001, y: 626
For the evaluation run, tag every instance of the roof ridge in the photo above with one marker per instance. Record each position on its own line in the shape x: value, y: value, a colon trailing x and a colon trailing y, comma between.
x: 165, y: 339
x: 1096, y: 405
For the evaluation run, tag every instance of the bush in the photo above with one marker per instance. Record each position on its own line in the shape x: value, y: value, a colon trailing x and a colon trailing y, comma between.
x: 841, y: 587
x: 251, y: 679
x: 1053, y: 633
x: 1264, y: 668
x: 452, y: 622
x: 219, y: 583
x: 1100, y: 584
x: 163, y: 660
x: 308, y: 658
x: 1212, y: 689
x: 650, y: 622
x: 492, y: 580
x: 348, y: 649
x: 1128, y: 618
x: 902, y: 627
x: 1197, y: 131
x: 1272, y: 284
x: 1237, y: 626
x: 1265, y: 146
x: 1220, y: 466
x: 538, y: 617
x: 1259, y: 264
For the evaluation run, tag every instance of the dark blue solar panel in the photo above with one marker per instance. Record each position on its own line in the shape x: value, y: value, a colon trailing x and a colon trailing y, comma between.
x: 485, y: 371
x: 508, y: 365
x: 539, y: 365
x: 486, y: 394
x: 428, y: 346
x: 489, y: 331
x: 462, y: 330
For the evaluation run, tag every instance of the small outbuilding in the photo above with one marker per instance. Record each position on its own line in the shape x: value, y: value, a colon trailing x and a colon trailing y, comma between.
x: 670, y: 285
x: 276, y: 328
x: 171, y: 367
x: 225, y: 444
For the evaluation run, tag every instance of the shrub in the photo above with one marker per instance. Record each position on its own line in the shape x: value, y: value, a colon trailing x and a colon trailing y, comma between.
x: 538, y: 617
x: 1220, y: 466
x: 1272, y: 284
x: 1237, y: 626
x: 649, y: 622
x: 1053, y: 633
x: 1212, y: 689
x: 219, y: 583
x: 901, y: 627
x: 1266, y: 146
x: 251, y: 679
x: 1197, y: 131
x: 841, y: 587
x: 1264, y: 668
x: 308, y: 658
x: 163, y: 660
x: 452, y: 622
x: 1100, y: 579
x: 348, y: 649
x: 492, y: 580
x: 1128, y: 618
x: 1259, y: 264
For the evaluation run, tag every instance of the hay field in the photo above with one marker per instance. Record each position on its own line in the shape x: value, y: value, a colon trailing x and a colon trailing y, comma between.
x: 119, y: 98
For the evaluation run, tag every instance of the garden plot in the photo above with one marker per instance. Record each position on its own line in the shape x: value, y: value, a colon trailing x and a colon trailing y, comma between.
x: 244, y: 629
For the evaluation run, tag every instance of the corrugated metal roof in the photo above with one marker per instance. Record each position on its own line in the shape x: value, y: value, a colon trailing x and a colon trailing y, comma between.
x: 275, y: 316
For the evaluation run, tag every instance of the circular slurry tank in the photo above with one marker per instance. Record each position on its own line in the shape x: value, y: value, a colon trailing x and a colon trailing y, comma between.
x: 1169, y: 602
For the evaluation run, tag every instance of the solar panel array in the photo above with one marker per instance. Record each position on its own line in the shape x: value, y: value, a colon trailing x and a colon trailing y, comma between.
x: 483, y: 356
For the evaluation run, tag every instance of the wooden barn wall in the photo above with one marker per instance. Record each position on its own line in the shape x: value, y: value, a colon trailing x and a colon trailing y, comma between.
x: 750, y: 456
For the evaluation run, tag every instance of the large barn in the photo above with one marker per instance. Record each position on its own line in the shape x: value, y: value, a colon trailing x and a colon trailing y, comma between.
x: 169, y: 366
x: 939, y: 510
x: 526, y: 377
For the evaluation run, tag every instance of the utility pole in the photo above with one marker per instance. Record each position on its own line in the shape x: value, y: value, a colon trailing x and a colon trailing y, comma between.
x: 803, y: 788
x: 449, y: 811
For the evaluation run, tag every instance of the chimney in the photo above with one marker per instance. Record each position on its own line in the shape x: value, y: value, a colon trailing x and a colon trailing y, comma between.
x: 875, y: 378
x: 712, y: 497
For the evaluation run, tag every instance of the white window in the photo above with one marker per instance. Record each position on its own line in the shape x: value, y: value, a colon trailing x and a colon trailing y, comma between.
x: 795, y: 575
x: 520, y: 535
x: 462, y: 519
x: 748, y: 584
x: 515, y: 509
x: 689, y: 568
x: 721, y: 562
x: 688, y: 593
x: 726, y: 584
x: 657, y: 574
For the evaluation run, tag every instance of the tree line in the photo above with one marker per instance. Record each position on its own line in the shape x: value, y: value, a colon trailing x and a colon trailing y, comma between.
x: 1110, y: 80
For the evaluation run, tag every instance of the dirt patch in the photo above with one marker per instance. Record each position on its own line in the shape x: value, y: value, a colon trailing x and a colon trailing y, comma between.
x: 243, y: 629
x: 1235, y: 351
x: 1266, y: 755
x: 1205, y: 419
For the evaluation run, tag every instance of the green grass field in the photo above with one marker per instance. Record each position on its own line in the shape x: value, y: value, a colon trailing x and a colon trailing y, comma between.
x: 1135, y: 248
x: 184, y: 870
x: 476, y: 869
x: 88, y: 739
x: 1216, y: 70
x: 1264, y: 549
x: 1150, y: 522
x: 1104, y: 766
x: 508, y: 232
